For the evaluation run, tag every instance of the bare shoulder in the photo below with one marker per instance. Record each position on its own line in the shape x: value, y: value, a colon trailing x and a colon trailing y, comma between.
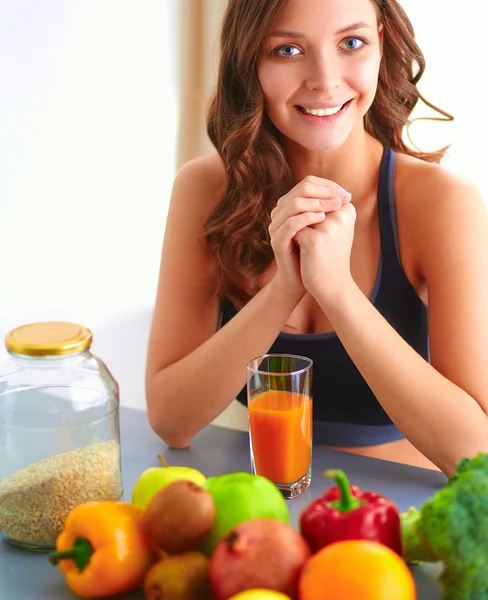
x: 422, y: 187
x: 198, y: 188
x: 207, y: 169
x: 200, y: 183
x: 435, y: 206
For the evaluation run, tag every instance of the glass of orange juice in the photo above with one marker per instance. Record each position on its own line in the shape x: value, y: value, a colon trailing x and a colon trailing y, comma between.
x: 280, y: 420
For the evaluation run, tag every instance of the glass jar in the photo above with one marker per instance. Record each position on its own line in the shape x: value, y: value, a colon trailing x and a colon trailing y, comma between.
x: 59, y: 431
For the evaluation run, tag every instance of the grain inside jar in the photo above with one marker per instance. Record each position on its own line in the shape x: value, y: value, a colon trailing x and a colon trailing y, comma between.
x: 35, y: 501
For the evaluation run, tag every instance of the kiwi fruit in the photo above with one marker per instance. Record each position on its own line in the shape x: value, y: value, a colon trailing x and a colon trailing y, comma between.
x: 179, y: 516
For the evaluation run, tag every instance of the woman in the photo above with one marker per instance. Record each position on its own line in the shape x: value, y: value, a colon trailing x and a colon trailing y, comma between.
x: 315, y: 230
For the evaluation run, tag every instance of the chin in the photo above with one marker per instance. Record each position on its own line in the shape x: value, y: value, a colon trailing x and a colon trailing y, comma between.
x: 318, y: 140
x: 323, y: 145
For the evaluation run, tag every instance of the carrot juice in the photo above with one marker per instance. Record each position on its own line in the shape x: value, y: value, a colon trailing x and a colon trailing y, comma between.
x: 280, y: 425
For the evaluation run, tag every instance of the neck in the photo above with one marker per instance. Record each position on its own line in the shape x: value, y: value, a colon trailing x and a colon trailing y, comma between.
x: 354, y: 166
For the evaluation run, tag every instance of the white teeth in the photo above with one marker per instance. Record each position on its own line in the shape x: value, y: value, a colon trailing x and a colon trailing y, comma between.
x: 322, y: 112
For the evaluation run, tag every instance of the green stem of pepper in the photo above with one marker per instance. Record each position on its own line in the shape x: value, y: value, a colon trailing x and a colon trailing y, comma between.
x: 80, y: 553
x: 346, y: 502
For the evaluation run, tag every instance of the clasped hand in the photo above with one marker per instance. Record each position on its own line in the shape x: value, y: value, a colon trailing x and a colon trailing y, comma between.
x: 312, y: 230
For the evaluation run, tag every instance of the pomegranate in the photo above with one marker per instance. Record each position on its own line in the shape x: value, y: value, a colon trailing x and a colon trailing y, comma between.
x: 259, y: 553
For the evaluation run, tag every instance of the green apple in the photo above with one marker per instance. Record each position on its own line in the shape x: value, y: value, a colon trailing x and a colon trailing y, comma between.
x: 155, y: 478
x: 239, y: 497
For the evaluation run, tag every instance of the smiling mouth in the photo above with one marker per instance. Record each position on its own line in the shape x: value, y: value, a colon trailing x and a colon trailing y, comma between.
x: 323, y: 112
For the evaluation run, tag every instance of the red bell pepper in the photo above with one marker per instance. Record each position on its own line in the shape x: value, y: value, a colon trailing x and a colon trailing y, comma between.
x: 345, y: 512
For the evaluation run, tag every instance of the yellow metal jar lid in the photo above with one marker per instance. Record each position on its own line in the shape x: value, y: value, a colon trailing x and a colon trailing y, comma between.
x: 49, y: 338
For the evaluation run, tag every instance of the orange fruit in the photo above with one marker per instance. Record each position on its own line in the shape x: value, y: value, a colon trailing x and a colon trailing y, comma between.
x: 356, y: 570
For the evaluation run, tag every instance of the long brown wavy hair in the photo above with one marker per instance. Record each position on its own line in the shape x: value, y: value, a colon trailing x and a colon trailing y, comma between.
x: 257, y: 171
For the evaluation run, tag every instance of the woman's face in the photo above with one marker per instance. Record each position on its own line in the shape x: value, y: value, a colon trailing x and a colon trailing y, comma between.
x: 319, y: 70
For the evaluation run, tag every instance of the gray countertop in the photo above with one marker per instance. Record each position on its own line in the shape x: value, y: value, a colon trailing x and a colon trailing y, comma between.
x: 28, y: 575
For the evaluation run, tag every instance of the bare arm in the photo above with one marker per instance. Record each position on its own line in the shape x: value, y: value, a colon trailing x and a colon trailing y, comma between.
x: 193, y: 371
x: 186, y: 395
x: 440, y: 407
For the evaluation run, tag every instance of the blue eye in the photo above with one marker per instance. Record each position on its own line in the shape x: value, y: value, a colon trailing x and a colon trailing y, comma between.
x: 285, y: 51
x: 354, y: 43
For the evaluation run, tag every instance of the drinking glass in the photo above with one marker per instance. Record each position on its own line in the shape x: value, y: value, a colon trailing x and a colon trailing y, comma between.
x: 280, y: 420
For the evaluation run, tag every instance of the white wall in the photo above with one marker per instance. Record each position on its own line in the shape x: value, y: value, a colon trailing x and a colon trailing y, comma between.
x: 87, y: 157
x: 452, y: 37
x: 87, y: 154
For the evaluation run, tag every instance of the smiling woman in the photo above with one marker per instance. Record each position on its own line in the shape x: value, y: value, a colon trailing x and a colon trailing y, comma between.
x: 294, y: 66
x: 315, y: 230
x: 287, y: 57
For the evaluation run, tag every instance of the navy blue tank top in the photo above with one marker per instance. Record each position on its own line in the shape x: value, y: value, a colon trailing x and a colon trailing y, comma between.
x: 345, y: 410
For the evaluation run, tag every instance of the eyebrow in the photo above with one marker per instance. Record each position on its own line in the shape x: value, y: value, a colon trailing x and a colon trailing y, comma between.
x: 296, y: 34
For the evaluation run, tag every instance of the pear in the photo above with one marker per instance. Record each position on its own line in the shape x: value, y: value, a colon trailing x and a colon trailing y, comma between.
x: 260, y: 594
x: 179, y: 577
x: 155, y: 478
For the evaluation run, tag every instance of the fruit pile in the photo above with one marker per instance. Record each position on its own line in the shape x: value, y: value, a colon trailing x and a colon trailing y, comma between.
x: 228, y: 537
x: 236, y: 528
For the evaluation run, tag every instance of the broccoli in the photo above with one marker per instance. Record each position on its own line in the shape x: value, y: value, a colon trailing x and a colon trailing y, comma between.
x: 452, y: 527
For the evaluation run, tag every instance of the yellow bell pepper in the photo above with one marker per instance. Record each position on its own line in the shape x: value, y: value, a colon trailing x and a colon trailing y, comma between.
x: 104, y: 549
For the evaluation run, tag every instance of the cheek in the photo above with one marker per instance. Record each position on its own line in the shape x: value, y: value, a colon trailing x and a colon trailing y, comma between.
x: 365, y: 76
x: 276, y: 85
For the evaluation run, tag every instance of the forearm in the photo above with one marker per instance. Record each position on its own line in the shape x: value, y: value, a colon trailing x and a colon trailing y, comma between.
x: 190, y: 393
x: 439, y: 418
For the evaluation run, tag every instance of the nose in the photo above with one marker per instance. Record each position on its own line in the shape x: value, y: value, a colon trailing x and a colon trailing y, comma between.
x: 324, y: 73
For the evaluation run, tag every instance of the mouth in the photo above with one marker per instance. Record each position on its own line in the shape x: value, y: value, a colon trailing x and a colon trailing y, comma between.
x: 323, y: 112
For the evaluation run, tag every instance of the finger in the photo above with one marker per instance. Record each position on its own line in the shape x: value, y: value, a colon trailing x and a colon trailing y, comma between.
x: 346, y: 213
x: 298, y: 206
x: 309, y: 188
x: 293, y: 225
x: 332, y: 204
x: 321, y: 188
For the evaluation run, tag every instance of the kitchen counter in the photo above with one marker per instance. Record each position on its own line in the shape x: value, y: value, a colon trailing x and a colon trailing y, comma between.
x: 28, y: 575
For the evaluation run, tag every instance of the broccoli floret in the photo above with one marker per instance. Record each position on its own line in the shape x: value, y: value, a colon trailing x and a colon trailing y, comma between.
x: 452, y: 527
